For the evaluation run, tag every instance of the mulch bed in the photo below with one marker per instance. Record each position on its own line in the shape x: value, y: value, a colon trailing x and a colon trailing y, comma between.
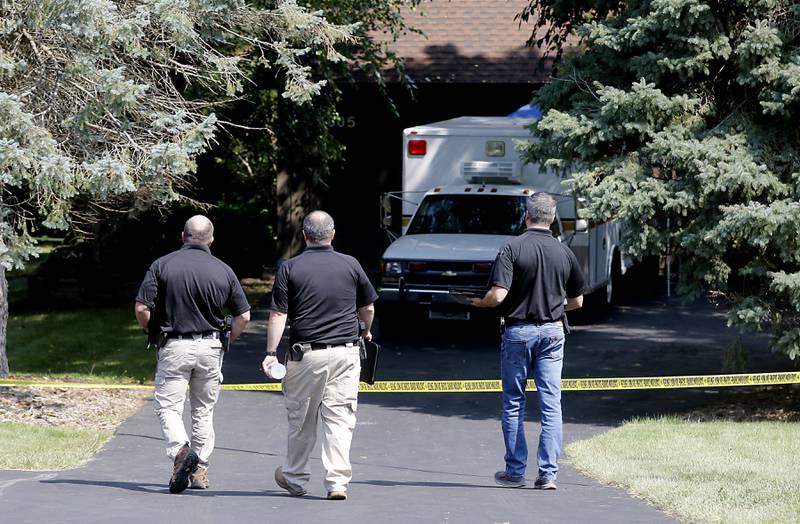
x: 774, y: 403
x: 102, y: 409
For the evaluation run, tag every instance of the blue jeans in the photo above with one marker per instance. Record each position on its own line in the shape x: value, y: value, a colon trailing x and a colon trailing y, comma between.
x: 538, y: 348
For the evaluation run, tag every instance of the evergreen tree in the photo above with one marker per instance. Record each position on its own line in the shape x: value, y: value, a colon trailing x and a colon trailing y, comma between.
x: 303, y: 154
x: 684, y: 113
x: 93, y: 111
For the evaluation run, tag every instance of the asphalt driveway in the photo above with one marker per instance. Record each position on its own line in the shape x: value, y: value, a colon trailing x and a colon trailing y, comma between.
x: 416, y: 457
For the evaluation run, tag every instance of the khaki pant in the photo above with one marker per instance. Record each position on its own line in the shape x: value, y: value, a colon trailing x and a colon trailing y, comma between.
x: 198, y: 365
x: 323, y: 386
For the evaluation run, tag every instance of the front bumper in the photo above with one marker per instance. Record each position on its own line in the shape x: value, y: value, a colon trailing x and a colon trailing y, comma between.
x: 423, y: 296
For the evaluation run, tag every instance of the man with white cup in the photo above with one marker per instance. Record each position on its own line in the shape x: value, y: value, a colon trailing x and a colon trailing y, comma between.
x: 275, y: 371
x: 327, y: 297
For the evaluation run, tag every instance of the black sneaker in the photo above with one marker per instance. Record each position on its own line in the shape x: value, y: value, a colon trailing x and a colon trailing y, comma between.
x: 545, y: 484
x: 501, y: 478
x: 186, y: 462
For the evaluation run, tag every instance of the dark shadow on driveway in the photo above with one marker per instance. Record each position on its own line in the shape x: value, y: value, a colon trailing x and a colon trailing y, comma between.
x: 162, y: 489
x: 645, y: 337
x: 420, y: 484
x: 216, y: 448
x: 423, y: 484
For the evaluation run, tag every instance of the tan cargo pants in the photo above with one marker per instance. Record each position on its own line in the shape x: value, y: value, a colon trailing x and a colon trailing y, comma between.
x: 198, y: 365
x: 323, y: 386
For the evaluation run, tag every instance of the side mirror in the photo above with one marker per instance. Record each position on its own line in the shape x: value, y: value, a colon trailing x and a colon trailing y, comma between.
x: 386, y: 210
x: 581, y: 225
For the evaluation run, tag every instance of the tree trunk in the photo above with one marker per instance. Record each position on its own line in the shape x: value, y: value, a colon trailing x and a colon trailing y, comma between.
x: 3, y: 322
x: 295, y: 199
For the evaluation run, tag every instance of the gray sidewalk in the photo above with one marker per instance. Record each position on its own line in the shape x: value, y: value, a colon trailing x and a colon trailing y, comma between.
x: 416, y: 457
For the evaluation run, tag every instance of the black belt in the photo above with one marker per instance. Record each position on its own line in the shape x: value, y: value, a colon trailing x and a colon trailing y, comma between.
x: 516, y: 322
x: 322, y: 345
x: 194, y: 336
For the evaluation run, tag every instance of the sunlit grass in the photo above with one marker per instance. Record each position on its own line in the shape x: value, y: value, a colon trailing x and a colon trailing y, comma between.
x: 29, y: 447
x: 701, y: 471
x: 255, y: 288
x: 94, y: 344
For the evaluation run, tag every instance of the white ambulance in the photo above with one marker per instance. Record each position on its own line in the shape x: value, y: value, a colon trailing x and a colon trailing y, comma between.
x: 463, y: 198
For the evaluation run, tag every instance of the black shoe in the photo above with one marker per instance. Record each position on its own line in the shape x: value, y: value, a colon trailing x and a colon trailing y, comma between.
x: 545, y: 484
x: 501, y: 478
x: 186, y: 462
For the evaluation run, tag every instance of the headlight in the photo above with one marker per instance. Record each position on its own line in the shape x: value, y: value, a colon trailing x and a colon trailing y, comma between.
x: 392, y: 268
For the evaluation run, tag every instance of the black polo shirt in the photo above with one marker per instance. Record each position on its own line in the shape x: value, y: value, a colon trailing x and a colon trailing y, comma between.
x: 539, y: 272
x: 189, y: 289
x: 320, y: 290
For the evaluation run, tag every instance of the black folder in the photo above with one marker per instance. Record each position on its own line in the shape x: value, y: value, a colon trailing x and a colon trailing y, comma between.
x: 369, y: 360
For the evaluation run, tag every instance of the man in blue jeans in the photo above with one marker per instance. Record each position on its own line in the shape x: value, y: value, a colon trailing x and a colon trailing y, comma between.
x: 535, y: 279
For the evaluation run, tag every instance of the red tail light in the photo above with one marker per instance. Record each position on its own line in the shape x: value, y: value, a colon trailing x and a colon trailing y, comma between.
x: 417, y: 147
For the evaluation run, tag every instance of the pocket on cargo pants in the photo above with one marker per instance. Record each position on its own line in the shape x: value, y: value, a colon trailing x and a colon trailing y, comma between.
x: 297, y: 413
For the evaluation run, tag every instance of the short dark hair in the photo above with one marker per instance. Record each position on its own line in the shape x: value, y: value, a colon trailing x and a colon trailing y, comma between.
x: 318, y: 226
x: 541, y: 208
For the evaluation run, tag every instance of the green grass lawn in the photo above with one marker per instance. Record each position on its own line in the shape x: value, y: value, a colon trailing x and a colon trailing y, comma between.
x: 99, y: 344
x: 32, y: 447
x: 701, y: 471
x: 94, y: 344
x: 256, y: 288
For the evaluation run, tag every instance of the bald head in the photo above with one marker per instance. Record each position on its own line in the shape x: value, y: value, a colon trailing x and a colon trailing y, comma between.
x: 198, y: 230
x: 318, y: 228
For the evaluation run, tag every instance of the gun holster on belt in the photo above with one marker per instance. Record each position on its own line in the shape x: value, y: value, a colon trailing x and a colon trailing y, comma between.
x: 565, y: 323
x: 297, y: 350
x: 156, y: 337
x: 225, y: 333
x: 158, y: 341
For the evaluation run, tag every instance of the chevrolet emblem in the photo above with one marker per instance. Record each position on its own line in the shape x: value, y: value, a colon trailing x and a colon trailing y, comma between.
x: 449, y: 274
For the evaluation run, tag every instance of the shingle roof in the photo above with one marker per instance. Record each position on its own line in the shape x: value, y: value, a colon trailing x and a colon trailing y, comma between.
x: 469, y: 41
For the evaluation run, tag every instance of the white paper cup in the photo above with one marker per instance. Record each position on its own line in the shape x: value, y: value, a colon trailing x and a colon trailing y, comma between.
x: 276, y: 371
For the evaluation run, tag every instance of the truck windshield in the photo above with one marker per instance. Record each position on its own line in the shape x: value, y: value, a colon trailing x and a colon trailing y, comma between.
x: 476, y: 214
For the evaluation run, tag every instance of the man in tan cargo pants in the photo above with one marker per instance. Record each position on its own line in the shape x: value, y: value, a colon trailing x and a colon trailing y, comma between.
x: 182, y: 298
x: 327, y: 297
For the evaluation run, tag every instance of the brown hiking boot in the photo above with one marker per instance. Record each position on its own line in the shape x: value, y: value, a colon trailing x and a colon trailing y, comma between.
x: 185, y: 464
x: 199, y: 479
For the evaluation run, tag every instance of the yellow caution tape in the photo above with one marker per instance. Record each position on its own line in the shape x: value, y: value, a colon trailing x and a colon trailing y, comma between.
x: 490, y: 386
